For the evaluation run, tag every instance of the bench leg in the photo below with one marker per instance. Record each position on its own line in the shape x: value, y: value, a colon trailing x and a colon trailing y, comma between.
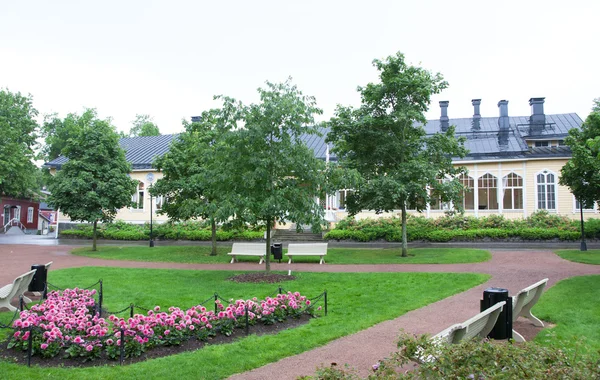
x: 26, y: 299
x: 232, y: 259
x: 5, y: 303
x: 533, y: 319
x: 322, y: 260
x: 290, y: 259
x: 517, y: 337
x: 262, y: 260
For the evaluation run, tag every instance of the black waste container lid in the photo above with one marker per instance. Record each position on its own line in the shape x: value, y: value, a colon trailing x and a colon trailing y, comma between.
x: 496, y: 290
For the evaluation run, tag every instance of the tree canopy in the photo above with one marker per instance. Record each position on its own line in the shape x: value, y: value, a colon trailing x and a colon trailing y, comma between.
x: 582, y: 172
x: 18, y: 131
x: 194, y: 183
x: 94, y: 184
x: 275, y: 176
x: 384, y: 141
x: 143, y: 125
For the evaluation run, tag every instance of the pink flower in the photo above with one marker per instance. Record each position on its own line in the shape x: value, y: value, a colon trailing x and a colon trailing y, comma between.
x: 43, y: 346
x: 167, y: 332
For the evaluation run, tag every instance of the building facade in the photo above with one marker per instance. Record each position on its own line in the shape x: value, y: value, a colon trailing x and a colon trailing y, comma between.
x: 513, y: 166
x: 19, y: 213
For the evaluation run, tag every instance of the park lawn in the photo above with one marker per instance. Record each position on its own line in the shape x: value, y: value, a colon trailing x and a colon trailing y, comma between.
x: 356, y: 301
x: 573, y: 306
x: 588, y: 257
x: 200, y: 254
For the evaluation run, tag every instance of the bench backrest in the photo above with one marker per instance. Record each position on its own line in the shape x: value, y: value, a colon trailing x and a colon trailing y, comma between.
x: 480, y: 325
x: 25, y: 281
x: 307, y: 249
x: 252, y: 248
x: 47, y: 265
x: 12, y: 288
x: 527, y: 298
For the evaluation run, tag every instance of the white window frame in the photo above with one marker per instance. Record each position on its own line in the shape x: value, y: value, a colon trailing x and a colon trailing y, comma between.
x: 506, y: 187
x: 546, y: 173
x: 473, y: 190
x: 576, y: 210
x: 29, y: 214
x: 489, y: 191
x: 135, y: 198
x: 17, y: 213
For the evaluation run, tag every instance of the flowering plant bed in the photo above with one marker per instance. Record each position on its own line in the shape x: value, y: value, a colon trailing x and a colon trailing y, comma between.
x: 67, y: 325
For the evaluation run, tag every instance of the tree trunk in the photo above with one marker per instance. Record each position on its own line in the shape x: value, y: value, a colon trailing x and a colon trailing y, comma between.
x: 268, y: 248
x: 404, y: 238
x: 213, y: 226
x: 94, y: 236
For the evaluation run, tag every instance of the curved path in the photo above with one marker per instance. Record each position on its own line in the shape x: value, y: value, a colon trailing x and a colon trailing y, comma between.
x: 513, y: 269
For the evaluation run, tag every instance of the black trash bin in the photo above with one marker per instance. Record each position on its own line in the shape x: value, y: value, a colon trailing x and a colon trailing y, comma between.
x: 503, y: 327
x: 277, y: 251
x: 38, y: 283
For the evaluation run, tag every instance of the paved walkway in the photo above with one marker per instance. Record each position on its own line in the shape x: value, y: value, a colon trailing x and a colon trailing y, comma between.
x: 510, y: 268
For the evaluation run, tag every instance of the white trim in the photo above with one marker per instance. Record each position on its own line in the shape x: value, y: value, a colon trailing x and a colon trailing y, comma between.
x: 524, y: 190
x: 494, y: 161
x: 29, y: 214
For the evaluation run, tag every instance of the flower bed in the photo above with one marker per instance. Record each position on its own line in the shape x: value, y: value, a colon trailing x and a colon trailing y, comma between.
x: 67, y: 322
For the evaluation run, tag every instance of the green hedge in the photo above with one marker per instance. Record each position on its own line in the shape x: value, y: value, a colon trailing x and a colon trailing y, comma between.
x: 539, y: 226
x: 120, y: 230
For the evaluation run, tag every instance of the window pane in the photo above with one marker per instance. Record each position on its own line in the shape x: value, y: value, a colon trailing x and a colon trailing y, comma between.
x: 551, y: 197
x: 541, y: 196
x: 518, y: 198
x: 508, y: 199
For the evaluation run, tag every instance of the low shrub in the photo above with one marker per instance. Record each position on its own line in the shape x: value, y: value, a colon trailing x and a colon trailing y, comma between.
x: 120, y: 230
x: 474, y: 360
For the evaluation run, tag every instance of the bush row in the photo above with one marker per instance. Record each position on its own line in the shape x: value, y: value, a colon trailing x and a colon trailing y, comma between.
x: 539, y: 226
x: 120, y: 230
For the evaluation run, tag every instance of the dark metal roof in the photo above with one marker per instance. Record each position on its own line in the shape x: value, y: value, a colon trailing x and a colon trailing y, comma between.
x: 487, y: 138
x: 139, y: 151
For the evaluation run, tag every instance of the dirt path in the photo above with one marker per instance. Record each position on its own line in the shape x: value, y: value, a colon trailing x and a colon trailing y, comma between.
x: 511, y: 269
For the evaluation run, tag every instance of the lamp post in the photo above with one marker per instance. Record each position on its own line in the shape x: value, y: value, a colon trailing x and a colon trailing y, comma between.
x: 583, y: 246
x: 150, y: 179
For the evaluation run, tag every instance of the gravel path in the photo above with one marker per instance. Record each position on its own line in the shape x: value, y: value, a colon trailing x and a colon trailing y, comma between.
x: 513, y: 269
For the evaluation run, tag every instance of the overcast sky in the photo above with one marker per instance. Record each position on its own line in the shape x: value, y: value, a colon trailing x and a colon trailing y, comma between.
x: 168, y: 58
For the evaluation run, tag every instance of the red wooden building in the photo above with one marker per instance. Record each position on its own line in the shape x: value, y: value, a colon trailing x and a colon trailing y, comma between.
x: 25, y: 211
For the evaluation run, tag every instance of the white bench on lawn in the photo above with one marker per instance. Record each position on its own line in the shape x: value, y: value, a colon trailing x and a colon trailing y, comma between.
x: 16, y: 289
x: 248, y: 249
x: 478, y: 326
x: 522, y: 304
x: 307, y: 249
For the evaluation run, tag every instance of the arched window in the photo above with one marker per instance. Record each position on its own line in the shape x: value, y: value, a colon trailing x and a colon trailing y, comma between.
x: 138, y: 197
x: 468, y: 194
x: 546, y: 190
x: 512, y: 186
x: 488, y: 192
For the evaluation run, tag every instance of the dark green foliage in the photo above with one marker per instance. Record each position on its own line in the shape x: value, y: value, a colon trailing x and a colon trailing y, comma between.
x: 143, y: 126
x: 539, y: 226
x: 94, y: 184
x: 383, y: 141
x: 18, y: 133
x: 120, y: 230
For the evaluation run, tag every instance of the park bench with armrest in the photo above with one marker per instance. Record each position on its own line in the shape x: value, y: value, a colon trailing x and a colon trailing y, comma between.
x: 16, y: 289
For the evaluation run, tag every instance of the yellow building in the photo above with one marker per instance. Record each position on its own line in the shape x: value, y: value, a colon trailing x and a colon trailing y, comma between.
x: 513, y: 166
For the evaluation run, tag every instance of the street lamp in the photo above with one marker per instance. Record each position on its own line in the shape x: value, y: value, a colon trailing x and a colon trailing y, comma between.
x: 150, y: 179
x: 583, y: 246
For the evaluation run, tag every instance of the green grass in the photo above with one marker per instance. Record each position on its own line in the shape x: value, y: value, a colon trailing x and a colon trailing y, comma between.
x: 201, y: 255
x: 574, y: 306
x: 356, y: 302
x: 588, y: 257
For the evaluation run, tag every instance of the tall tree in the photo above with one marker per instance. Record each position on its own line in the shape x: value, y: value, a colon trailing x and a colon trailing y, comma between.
x: 194, y: 183
x: 18, y: 132
x: 275, y: 175
x: 94, y: 184
x: 582, y: 172
x: 143, y: 125
x: 57, y: 132
x: 385, y: 142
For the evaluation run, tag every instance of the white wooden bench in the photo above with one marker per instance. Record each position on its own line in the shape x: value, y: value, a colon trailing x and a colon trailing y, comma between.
x: 17, y: 288
x: 522, y: 304
x: 248, y: 249
x: 305, y: 249
x: 478, y: 326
